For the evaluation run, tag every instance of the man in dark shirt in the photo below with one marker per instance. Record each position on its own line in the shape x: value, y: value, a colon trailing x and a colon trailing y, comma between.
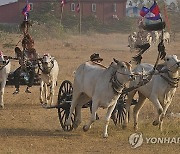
x: 27, y: 60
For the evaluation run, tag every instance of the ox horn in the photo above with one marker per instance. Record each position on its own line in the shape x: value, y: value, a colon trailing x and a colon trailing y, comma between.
x: 115, y: 60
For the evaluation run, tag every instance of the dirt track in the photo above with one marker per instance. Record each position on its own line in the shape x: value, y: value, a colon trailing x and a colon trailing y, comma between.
x: 26, y: 127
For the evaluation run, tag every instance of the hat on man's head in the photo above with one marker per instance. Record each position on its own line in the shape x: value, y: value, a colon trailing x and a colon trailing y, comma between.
x: 95, y: 56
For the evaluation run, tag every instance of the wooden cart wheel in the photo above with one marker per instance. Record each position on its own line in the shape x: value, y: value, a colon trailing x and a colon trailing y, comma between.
x: 119, y: 113
x: 64, y: 104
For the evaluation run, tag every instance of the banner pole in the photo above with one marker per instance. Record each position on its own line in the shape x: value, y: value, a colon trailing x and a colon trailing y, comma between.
x: 62, y: 9
x: 166, y: 18
x: 80, y: 17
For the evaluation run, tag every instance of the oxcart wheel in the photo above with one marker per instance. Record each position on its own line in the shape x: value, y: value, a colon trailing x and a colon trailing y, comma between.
x: 64, y: 104
x: 119, y: 113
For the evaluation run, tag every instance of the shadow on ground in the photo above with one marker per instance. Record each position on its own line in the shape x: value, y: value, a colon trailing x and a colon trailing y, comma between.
x: 10, y: 132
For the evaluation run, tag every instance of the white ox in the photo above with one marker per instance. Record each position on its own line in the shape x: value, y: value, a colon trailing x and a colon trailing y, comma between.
x: 48, y: 76
x: 159, y: 90
x: 132, y: 38
x: 166, y: 37
x: 155, y: 37
x: 102, y: 86
x: 149, y: 38
x: 4, y: 71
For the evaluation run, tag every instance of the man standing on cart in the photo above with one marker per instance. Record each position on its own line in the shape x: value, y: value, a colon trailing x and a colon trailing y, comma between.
x: 27, y: 57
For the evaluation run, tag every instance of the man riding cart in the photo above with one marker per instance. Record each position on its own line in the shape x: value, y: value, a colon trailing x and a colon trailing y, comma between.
x: 28, y: 62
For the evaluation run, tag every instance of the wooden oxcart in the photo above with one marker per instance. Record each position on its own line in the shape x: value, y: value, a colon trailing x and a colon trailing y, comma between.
x: 64, y: 104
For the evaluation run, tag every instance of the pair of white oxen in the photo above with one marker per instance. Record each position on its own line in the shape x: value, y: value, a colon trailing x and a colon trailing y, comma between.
x: 49, y: 73
x: 104, y: 86
x: 153, y: 37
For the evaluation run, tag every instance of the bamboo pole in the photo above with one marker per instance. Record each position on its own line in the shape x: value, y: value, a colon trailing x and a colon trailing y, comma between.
x: 80, y: 22
x: 62, y: 9
x: 166, y: 18
x: 80, y: 17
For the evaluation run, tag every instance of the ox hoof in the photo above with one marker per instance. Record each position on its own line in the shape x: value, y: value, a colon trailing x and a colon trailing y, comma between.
x: 85, y: 128
x: 105, y: 136
x: 155, y: 123
x: 1, y: 106
x: 124, y: 127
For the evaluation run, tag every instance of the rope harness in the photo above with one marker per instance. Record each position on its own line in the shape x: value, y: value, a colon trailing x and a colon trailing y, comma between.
x: 173, y: 82
x: 116, y: 84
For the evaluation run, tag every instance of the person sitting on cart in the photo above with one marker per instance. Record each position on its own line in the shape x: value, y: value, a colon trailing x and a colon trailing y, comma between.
x: 27, y: 60
x: 96, y: 58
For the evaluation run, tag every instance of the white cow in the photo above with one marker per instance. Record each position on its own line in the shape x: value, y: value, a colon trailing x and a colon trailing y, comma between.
x: 149, y: 38
x: 166, y: 37
x: 132, y: 38
x: 48, y: 77
x: 155, y: 37
x: 159, y: 90
x: 102, y: 86
x: 4, y: 71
